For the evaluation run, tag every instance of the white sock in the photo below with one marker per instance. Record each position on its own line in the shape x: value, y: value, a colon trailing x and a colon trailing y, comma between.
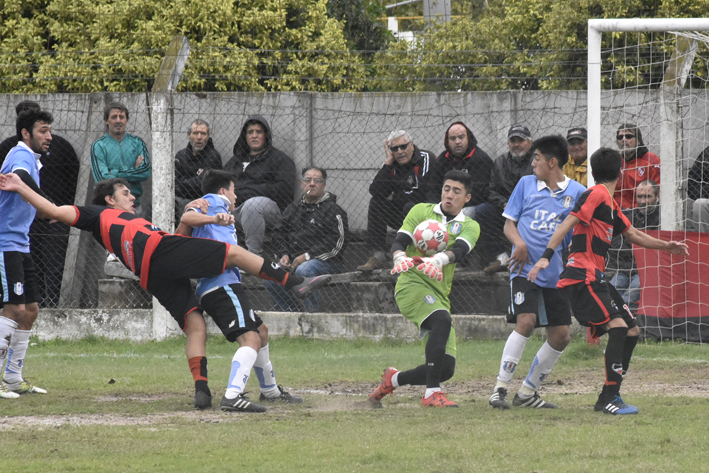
x: 16, y: 356
x: 241, y: 366
x: 7, y: 328
x: 430, y: 391
x: 395, y: 379
x: 510, y: 358
x: 543, y: 363
x: 264, y: 373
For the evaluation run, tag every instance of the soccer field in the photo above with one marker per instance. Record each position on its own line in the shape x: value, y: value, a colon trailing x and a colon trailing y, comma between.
x: 119, y: 406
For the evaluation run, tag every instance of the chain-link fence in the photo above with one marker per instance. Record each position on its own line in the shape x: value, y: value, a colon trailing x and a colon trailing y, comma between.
x: 341, y: 133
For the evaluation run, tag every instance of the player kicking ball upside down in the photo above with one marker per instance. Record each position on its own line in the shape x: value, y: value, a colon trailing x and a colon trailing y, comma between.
x: 423, y: 288
x: 595, y: 220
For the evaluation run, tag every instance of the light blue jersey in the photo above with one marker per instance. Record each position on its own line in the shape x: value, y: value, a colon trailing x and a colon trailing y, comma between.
x: 227, y: 234
x: 16, y: 215
x: 538, y: 212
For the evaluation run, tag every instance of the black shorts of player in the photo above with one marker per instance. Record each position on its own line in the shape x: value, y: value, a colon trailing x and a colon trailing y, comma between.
x: 230, y: 308
x: 174, y: 262
x: 18, y: 282
x: 596, y: 304
x: 548, y: 304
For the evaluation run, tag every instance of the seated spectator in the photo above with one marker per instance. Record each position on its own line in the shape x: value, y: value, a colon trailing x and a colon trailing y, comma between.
x: 621, y: 268
x: 311, y: 238
x: 191, y: 162
x: 118, y: 154
x: 509, y: 169
x: 49, y: 241
x: 403, y: 181
x: 265, y: 183
x: 698, y: 190
x: 639, y: 165
x: 576, y: 167
x: 462, y: 153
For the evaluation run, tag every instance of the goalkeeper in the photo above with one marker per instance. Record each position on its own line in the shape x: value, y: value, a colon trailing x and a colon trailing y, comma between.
x: 422, y: 293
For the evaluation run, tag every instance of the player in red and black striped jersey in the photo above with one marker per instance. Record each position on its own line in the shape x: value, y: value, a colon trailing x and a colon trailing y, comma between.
x: 596, y: 219
x: 165, y: 263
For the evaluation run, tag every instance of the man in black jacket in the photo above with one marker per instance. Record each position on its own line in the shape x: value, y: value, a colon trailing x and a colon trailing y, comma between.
x: 310, y: 239
x: 265, y: 183
x: 698, y: 190
x: 191, y: 162
x: 403, y: 181
x: 509, y: 169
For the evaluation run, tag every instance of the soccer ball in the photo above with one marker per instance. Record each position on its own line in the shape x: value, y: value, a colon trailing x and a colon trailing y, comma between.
x: 431, y: 237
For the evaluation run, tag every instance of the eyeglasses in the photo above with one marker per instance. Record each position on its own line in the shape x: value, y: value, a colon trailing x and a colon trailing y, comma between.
x: 394, y: 149
x: 627, y: 137
x: 316, y: 180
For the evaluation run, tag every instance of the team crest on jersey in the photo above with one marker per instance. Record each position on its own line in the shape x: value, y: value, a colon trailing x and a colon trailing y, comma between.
x: 509, y: 367
x: 19, y: 288
x: 456, y: 228
x: 641, y: 171
x: 410, y: 180
x: 568, y: 201
x: 429, y: 299
x: 519, y: 298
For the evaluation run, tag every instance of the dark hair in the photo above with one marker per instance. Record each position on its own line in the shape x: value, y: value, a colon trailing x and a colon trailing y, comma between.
x: 114, y: 106
x: 26, y: 105
x: 649, y: 182
x: 605, y: 165
x: 552, y: 146
x: 642, y: 149
x: 215, y: 179
x: 308, y: 168
x: 106, y: 188
x: 27, y: 119
x: 462, y: 177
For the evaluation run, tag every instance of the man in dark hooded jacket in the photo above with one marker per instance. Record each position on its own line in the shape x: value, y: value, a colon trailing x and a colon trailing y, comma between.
x: 265, y: 183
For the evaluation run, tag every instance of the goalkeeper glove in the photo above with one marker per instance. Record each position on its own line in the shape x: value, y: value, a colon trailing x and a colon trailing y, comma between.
x: 403, y: 263
x: 433, y: 266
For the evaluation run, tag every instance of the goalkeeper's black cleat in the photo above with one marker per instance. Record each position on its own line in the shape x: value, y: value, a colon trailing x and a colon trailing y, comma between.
x: 309, y: 285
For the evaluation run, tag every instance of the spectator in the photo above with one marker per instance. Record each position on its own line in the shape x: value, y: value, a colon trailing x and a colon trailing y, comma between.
x: 621, y: 268
x: 639, y: 164
x: 265, y: 183
x: 509, y: 169
x: 191, y: 162
x: 118, y: 154
x: 698, y: 190
x: 462, y: 153
x: 58, y: 175
x: 576, y: 168
x: 403, y: 181
x: 310, y: 239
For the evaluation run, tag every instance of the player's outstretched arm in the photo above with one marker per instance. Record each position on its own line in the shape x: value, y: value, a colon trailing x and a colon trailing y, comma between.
x: 639, y: 238
x: 556, y: 239
x: 196, y: 219
x: 12, y: 183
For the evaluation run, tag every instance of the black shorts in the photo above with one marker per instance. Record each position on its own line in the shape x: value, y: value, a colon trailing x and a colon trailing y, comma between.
x: 548, y: 304
x: 230, y: 308
x: 596, y: 304
x: 18, y: 282
x: 175, y: 260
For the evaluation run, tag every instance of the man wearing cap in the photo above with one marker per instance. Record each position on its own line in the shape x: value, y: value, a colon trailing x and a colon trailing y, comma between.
x: 509, y: 169
x: 576, y: 168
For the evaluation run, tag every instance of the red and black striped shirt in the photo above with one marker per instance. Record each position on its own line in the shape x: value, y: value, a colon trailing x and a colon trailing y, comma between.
x: 601, y: 220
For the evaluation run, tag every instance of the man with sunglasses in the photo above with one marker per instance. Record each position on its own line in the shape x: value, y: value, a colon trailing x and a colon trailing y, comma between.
x: 639, y: 165
x: 311, y: 238
x: 404, y: 180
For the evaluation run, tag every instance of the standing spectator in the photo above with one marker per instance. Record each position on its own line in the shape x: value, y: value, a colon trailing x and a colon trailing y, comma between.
x: 576, y: 168
x: 310, y: 239
x: 462, y: 153
x: 58, y: 174
x: 404, y: 180
x: 509, y: 169
x: 698, y: 190
x: 622, y: 271
x: 191, y: 162
x: 18, y: 291
x: 118, y: 154
x: 639, y: 164
x: 265, y: 183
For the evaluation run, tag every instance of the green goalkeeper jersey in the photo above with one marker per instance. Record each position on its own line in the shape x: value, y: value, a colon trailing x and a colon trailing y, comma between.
x: 461, y: 227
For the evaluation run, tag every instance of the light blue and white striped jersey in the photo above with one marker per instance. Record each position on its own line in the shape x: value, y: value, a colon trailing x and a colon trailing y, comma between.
x: 16, y: 215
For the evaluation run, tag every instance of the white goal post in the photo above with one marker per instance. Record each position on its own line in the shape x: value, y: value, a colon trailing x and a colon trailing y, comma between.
x: 671, y: 198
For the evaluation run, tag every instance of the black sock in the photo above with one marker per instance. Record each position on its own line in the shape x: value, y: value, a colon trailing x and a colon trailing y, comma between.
x: 628, y: 348
x: 614, y: 361
x: 414, y: 377
x: 271, y: 273
x: 439, y: 324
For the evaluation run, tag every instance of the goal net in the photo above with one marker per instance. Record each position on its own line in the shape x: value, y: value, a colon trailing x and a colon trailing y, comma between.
x: 647, y: 97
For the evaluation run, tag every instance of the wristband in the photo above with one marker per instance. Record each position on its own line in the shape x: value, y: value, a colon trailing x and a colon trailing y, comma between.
x: 307, y: 256
x: 548, y: 254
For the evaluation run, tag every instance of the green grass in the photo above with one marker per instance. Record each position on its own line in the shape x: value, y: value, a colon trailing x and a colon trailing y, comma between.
x: 144, y: 422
